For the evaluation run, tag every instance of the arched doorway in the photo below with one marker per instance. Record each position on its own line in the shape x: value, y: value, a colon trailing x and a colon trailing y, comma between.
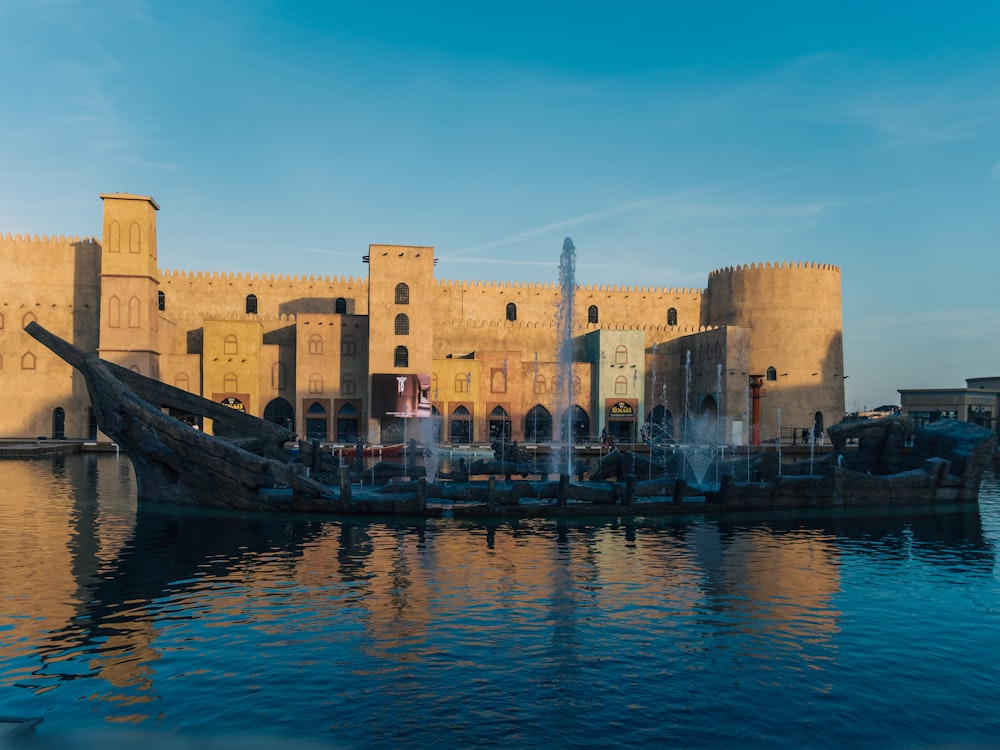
x: 347, y: 424
x: 280, y: 412
x: 579, y: 424
x: 499, y: 425
x: 706, y: 426
x: 460, y: 426
x: 818, y: 427
x: 661, y: 425
x: 316, y: 422
x: 538, y: 425
x: 58, y: 423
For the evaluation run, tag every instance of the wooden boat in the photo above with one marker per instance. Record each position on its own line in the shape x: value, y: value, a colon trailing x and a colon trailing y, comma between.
x: 245, y: 464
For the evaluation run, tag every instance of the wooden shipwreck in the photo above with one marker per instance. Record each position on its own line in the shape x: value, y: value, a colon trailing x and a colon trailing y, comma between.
x: 249, y: 464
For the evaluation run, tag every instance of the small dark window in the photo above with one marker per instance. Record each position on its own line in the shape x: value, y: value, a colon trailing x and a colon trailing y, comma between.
x: 401, y: 357
x: 340, y: 306
x: 402, y: 294
x: 772, y: 374
x: 161, y: 301
x: 349, y: 346
x: 511, y: 311
x: 592, y: 314
x: 672, y: 316
x: 402, y: 325
x: 251, y: 304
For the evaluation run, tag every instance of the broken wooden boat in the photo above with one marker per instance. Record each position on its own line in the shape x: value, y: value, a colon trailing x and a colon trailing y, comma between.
x: 246, y: 464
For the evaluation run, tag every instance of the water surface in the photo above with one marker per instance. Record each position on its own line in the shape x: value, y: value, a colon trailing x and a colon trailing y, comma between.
x: 823, y: 631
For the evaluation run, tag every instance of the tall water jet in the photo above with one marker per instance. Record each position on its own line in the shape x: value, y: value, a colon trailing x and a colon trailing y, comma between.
x: 564, y: 326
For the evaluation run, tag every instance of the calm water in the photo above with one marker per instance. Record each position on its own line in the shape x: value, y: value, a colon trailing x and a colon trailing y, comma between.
x: 704, y: 632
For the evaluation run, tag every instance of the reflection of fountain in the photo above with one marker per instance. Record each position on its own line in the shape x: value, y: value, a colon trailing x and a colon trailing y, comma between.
x: 564, y: 327
x: 430, y: 451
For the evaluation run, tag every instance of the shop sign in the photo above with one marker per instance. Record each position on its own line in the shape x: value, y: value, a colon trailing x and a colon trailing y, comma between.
x: 621, y: 409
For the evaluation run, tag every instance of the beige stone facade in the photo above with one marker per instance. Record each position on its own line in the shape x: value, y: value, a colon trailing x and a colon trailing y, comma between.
x: 339, y: 357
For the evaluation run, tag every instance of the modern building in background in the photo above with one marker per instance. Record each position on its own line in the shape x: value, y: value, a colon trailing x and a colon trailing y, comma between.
x: 757, y: 351
x: 976, y: 403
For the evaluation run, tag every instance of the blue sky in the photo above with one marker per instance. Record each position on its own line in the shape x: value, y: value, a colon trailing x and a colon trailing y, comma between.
x: 667, y: 139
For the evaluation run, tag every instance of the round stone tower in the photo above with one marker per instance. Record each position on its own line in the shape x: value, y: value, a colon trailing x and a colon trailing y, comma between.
x: 793, y: 315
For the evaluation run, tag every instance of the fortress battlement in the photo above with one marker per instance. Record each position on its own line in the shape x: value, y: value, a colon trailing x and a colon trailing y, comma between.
x: 513, y: 325
x: 554, y: 288
x: 183, y: 316
x: 781, y: 266
x: 252, y: 278
x: 47, y: 239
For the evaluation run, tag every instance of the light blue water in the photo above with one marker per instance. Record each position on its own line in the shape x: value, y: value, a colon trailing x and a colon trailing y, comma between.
x: 822, y: 631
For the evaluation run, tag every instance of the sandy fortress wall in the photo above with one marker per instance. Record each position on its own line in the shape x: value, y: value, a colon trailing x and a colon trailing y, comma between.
x: 311, y: 340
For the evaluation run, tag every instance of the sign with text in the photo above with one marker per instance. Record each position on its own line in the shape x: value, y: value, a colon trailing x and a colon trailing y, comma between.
x: 621, y: 410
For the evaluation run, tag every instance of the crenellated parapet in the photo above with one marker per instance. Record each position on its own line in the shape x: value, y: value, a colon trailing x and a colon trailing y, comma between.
x: 720, y: 273
x: 47, y: 239
x: 187, y: 318
x: 481, y: 285
x: 167, y: 276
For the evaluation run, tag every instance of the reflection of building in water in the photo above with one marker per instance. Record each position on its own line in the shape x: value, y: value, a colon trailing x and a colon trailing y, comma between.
x: 67, y: 542
x: 781, y: 582
x: 314, y: 353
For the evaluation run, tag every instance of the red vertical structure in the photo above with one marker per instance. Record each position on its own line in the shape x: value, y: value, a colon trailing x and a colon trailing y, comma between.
x: 756, y: 387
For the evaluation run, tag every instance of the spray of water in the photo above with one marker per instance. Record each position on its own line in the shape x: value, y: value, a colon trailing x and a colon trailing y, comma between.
x: 564, y: 325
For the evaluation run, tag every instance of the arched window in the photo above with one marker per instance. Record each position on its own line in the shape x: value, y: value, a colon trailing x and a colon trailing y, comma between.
x: 1, y: 321
x: 161, y: 300
x: 461, y: 383
x: 672, y: 316
x: 621, y: 355
x: 315, y: 383
x: 252, y: 304
x: 402, y: 294
x: 316, y: 422
x: 347, y: 424
x: 231, y: 345
x: 134, y: 313
x: 349, y: 347
x: 114, y: 312
x: 400, y: 357
x: 115, y: 239
x: 539, y: 384
x: 230, y: 384
x: 621, y: 386
x: 511, y: 311
x: 315, y: 344
x: 538, y: 425
x: 340, y: 306
x: 592, y: 314
x: 579, y: 424
x: 29, y: 317
x: 555, y: 385
x: 28, y: 361
x: 402, y: 325
x: 499, y: 424
x: 347, y: 385
x: 460, y: 426
x: 772, y: 374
